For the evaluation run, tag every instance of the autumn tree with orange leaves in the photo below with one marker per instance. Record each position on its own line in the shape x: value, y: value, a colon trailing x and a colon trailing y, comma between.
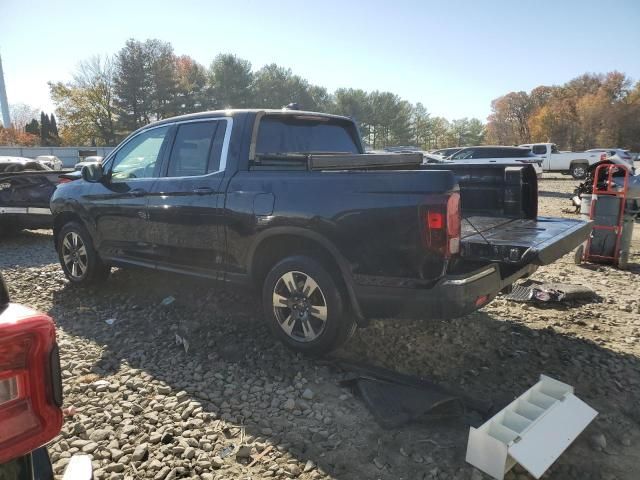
x: 589, y: 111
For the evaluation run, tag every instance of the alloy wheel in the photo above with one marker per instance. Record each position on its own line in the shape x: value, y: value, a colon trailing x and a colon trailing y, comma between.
x: 74, y: 255
x: 300, y: 306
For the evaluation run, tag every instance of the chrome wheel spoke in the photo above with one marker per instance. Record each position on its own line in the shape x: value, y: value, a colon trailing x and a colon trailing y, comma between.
x: 289, y: 282
x: 66, y: 259
x: 288, y: 324
x: 74, y: 269
x: 82, y: 251
x: 82, y: 267
x: 66, y: 244
x: 307, y: 330
x: 279, y: 300
x: 319, y: 312
x: 309, y: 287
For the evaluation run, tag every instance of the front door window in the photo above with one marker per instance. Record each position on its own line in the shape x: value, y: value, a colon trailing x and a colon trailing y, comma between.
x: 140, y: 156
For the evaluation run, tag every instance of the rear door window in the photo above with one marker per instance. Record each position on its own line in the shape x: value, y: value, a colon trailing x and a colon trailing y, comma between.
x: 305, y: 135
x: 197, y: 149
x: 465, y: 154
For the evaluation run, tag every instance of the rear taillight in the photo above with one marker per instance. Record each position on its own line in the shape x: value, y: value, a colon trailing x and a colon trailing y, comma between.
x: 442, y: 226
x: 603, y: 157
x: 63, y: 180
x: 30, y: 387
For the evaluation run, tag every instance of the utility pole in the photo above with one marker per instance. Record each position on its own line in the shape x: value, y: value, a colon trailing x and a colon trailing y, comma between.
x: 4, y: 104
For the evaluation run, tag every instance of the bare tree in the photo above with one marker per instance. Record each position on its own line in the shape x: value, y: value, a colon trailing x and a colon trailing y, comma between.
x: 21, y: 114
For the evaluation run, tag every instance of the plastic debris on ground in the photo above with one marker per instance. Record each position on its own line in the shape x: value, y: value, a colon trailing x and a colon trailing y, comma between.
x: 182, y: 341
x: 396, y: 399
x: 110, y: 321
x: 540, y: 292
x: 167, y: 301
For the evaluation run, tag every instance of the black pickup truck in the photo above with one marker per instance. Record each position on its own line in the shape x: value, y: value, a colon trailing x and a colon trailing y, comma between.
x: 286, y: 201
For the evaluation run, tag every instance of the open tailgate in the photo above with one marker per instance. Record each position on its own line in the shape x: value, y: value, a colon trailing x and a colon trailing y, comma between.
x: 538, y: 241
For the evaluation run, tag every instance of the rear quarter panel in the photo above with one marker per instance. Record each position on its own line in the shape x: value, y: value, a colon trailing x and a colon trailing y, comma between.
x: 372, y: 218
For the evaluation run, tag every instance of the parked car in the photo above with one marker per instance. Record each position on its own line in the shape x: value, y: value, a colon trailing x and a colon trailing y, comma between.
x: 88, y: 161
x: 616, y: 154
x: 444, y: 152
x: 51, y: 161
x: 287, y: 202
x: 30, y: 393
x: 20, y: 164
x: 574, y: 163
x: 496, y: 154
x: 25, y: 190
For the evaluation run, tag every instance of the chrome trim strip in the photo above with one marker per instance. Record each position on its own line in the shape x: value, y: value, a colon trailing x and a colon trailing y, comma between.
x: 13, y: 210
x: 25, y: 210
x: 38, y: 211
x: 472, y: 278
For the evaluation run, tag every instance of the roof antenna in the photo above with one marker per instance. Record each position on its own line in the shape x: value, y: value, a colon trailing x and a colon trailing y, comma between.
x: 292, y: 106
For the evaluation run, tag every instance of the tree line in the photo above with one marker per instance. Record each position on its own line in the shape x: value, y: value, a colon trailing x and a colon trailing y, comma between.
x: 592, y: 110
x: 108, y: 97
x: 145, y: 81
x: 26, y: 130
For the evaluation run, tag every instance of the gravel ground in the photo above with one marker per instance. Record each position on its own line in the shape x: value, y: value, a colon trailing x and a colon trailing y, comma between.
x: 199, y: 389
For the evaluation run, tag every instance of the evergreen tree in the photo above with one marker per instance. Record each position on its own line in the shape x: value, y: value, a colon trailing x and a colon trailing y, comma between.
x: 44, y: 129
x: 33, y: 127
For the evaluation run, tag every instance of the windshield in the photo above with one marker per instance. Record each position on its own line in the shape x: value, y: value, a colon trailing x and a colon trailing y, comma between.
x: 305, y: 135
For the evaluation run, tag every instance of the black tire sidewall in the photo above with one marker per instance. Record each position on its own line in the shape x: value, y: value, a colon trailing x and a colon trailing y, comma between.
x: 336, y: 321
x: 96, y: 270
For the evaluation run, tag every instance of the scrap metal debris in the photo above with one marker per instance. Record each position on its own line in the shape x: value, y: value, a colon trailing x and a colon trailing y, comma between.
x: 396, y: 399
x: 540, y: 292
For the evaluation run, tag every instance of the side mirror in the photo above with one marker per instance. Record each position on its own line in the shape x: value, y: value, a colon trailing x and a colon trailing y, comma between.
x: 92, y: 173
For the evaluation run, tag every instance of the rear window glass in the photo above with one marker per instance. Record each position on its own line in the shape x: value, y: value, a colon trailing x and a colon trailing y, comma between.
x: 300, y: 135
x: 539, y: 149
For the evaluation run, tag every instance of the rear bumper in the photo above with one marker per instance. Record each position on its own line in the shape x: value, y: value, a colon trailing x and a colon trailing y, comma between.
x: 452, y: 296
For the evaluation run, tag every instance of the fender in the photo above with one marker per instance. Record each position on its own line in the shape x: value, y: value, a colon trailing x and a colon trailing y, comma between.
x: 343, y: 265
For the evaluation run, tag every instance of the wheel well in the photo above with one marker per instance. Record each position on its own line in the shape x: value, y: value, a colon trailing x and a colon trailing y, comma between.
x: 271, y: 250
x: 61, y: 220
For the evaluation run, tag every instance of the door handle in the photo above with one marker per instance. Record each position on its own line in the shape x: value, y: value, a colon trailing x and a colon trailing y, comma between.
x: 137, y: 192
x: 203, y: 191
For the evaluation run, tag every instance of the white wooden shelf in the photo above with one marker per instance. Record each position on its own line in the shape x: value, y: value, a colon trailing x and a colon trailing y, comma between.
x: 533, y: 430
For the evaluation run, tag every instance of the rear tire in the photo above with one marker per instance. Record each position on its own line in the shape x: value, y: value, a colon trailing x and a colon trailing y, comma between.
x: 578, y: 171
x: 79, y: 259
x: 304, y: 307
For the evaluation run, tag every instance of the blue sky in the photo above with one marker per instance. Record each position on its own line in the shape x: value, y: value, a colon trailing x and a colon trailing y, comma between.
x: 453, y: 56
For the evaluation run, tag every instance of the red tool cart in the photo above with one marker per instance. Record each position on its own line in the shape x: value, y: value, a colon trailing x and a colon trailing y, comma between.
x: 611, y: 236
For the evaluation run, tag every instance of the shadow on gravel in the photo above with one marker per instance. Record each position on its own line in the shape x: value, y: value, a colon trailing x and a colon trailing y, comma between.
x: 546, y: 193
x: 22, y: 249
x: 240, y: 374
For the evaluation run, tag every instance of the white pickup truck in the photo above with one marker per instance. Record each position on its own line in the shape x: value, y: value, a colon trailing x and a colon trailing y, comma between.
x: 575, y: 163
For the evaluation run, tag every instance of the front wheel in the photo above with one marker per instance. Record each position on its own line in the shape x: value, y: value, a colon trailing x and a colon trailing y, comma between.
x: 79, y: 260
x: 304, y: 308
x: 578, y: 171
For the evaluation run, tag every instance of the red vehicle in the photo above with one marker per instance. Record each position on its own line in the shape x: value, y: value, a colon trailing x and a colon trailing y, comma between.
x: 30, y: 391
